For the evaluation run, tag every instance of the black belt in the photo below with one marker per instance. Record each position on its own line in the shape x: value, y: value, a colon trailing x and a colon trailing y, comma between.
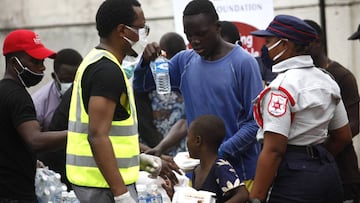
x: 308, y: 149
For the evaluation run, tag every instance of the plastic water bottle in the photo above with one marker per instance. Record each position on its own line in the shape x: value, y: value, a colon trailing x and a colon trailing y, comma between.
x: 71, y: 198
x: 155, y: 195
x: 143, y: 195
x: 160, y: 70
x: 48, y: 186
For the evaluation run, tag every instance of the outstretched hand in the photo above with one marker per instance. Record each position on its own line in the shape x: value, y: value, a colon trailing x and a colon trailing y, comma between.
x: 154, y: 151
x: 151, y: 52
x: 168, y: 168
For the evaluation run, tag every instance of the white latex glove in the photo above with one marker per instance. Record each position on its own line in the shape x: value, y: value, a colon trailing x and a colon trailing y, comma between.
x: 124, y: 198
x: 150, y: 164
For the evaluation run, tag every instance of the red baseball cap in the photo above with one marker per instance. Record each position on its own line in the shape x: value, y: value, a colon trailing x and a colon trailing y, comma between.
x: 27, y: 41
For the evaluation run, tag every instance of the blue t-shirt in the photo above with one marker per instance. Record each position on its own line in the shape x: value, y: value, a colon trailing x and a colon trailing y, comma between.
x: 226, y: 88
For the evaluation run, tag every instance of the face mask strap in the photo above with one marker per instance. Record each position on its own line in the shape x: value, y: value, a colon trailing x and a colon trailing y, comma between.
x: 34, y: 73
x: 57, y: 81
x: 274, y: 45
x: 20, y: 64
x: 130, y: 41
x: 279, y: 55
x: 24, y: 73
x: 19, y: 73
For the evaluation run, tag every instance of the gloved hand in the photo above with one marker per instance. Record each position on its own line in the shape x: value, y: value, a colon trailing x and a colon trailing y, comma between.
x: 124, y: 198
x: 150, y: 164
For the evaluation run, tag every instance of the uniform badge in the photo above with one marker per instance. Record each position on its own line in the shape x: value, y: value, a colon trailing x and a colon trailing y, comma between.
x: 277, y: 105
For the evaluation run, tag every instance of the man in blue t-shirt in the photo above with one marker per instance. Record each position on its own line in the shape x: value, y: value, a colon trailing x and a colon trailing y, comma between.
x: 215, y: 77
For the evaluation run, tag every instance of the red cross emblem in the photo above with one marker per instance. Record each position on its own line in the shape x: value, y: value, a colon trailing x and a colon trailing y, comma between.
x: 277, y: 105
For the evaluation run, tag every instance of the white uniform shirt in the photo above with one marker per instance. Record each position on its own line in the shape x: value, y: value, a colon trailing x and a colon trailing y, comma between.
x: 313, y: 98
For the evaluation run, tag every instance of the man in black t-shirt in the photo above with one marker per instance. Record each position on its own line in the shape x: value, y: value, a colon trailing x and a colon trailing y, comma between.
x: 102, y: 160
x: 347, y: 159
x: 20, y: 131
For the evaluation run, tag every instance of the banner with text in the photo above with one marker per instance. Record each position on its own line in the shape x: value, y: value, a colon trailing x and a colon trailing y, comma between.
x: 247, y: 15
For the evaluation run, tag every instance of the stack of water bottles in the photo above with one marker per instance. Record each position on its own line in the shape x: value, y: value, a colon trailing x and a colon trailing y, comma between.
x: 49, y: 188
x: 151, y: 195
x: 160, y: 71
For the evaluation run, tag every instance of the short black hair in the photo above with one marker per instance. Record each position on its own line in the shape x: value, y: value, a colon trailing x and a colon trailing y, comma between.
x: 172, y: 43
x: 111, y: 13
x: 229, y: 31
x: 196, y: 7
x: 317, y: 28
x: 13, y: 54
x: 68, y: 57
x: 211, y: 128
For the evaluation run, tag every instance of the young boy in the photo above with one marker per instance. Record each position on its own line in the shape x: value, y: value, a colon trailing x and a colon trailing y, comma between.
x: 214, y: 174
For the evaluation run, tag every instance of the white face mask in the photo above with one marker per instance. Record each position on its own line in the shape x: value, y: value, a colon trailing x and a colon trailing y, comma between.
x: 279, y: 54
x: 64, y: 87
x: 139, y: 46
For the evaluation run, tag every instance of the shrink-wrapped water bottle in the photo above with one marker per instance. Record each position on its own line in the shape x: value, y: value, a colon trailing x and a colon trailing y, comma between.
x: 155, y: 194
x: 143, y: 195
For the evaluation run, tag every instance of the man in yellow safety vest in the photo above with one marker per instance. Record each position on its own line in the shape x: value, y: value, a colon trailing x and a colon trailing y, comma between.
x: 102, y: 157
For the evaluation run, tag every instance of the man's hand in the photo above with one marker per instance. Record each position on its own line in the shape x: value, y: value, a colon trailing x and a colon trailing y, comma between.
x: 151, y: 52
x: 169, y: 188
x: 151, y: 164
x: 154, y: 151
x: 168, y: 168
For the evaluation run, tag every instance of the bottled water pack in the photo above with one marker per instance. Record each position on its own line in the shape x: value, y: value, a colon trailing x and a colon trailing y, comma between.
x: 49, y: 188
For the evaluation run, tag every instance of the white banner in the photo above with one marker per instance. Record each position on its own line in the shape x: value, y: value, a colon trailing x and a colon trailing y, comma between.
x: 247, y: 15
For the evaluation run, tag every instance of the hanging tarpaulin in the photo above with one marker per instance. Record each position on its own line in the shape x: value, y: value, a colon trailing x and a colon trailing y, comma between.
x: 247, y: 15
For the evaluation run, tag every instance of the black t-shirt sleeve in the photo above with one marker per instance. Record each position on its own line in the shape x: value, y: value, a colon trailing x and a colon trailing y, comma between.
x: 22, y: 107
x: 105, y: 78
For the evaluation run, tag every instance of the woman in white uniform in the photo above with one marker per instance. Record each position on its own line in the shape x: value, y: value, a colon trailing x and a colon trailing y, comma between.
x: 294, y: 113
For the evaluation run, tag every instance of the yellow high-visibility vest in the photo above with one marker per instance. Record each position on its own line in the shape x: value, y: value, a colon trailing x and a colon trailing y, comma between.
x: 81, y: 167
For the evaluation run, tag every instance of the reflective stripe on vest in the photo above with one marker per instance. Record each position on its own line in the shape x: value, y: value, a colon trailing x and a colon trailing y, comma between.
x: 115, y: 130
x: 90, y: 162
x: 81, y: 167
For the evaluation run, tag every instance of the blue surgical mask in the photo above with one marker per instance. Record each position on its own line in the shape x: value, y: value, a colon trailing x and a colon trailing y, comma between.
x: 265, y: 58
x: 27, y: 77
x: 128, y: 64
x: 265, y: 53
